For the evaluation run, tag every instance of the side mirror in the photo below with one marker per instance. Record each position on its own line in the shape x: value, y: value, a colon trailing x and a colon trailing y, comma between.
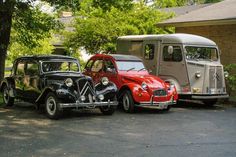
x: 110, y: 70
x: 170, y: 50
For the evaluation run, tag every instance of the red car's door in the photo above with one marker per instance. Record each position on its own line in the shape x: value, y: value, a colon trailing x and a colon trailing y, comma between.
x: 110, y: 71
x: 97, y: 70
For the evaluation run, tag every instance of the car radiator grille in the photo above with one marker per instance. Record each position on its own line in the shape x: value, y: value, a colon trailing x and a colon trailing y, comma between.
x: 216, y: 77
x: 160, y: 92
x: 86, y: 88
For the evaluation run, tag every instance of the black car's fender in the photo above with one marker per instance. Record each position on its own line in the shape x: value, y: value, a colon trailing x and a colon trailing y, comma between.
x: 109, y: 91
x: 60, y: 90
x: 10, y: 83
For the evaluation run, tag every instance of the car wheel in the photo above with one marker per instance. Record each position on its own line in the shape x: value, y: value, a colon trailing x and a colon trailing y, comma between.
x: 128, y: 102
x: 108, y: 110
x: 210, y: 102
x: 52, y: 106
x: 7, y: 99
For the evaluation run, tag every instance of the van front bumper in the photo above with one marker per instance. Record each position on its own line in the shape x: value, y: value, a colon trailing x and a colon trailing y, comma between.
x: 205, y: 97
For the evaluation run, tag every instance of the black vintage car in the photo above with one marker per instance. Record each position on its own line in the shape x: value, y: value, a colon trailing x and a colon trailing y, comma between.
x: 57, y: 83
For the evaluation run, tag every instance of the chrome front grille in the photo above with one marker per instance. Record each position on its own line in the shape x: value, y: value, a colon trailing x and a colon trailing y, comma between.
x: 216, y: 77
x: 160, y: 92
x: 85, y: 88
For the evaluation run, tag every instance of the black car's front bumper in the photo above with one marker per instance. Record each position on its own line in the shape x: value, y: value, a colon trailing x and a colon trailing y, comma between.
x: 79, y: 104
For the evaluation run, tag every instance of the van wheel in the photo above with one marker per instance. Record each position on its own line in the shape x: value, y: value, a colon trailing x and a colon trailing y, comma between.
x: 52, y: 106
x: 128, y: 102
x: 210, y: 102
x: 7, y: 99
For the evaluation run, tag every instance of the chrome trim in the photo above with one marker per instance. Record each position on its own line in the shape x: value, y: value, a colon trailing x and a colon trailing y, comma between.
x: 78, y: 104
x: 157, y: 104
x: 223, y: 96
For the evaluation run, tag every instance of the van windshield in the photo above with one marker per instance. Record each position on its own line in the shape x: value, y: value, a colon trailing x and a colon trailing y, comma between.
x: 130, y: 65
x: 201, y: 53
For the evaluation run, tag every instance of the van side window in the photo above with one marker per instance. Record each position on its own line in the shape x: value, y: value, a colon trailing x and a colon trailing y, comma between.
x: 149, y: 51
x: 176, y: 56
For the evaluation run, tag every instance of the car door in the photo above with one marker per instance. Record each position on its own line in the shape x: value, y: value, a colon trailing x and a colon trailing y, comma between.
x: 97, y: 70
x: 31, y: 80
x: 19, y: 74
x: 110, y: 71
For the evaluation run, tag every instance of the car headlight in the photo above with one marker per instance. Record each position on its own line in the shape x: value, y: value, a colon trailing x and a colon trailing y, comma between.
x: 144, y: 86
x: 198, y: 74
x: 69, y: 82
x: 105, y: 81
x: 226, y: 74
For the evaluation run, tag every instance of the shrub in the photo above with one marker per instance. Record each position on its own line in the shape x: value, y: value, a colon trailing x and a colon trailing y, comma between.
x: 231, y: 80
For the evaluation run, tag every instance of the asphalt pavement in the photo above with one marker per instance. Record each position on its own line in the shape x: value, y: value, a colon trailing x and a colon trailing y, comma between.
x: 185, y: 131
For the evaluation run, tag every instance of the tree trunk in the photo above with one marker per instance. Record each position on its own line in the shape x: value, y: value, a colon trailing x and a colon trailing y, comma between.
x: 6, y: 11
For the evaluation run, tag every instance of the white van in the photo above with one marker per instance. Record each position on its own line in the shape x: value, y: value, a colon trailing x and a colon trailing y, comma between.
x: 190, y: 62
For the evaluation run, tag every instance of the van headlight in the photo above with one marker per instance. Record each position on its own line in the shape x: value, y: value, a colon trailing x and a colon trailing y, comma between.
x: 226, y: 74
x: 198, y: 74
x: 104, y: 81
x: 144, y: 86
x: 69, y: 82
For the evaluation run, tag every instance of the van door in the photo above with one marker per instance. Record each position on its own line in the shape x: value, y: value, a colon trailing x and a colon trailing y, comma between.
x: 173, y: 66
x: 150, y: 56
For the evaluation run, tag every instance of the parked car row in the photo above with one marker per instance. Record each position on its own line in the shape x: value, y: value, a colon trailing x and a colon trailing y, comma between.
x: 58, y: 84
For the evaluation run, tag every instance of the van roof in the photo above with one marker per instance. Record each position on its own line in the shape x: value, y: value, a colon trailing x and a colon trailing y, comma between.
x: 182, y: 38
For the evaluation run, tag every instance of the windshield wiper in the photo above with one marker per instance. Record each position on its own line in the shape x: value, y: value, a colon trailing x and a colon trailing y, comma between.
x: 141, y: 69
x: 130, y: 69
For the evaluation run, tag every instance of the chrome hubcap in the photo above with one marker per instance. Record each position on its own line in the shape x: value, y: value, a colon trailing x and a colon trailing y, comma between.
x: 5, y: 95
x: 126, y: 102
x: 51, y: 105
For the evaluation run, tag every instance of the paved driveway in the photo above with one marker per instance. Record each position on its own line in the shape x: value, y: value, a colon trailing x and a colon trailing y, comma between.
x: 183, y: 132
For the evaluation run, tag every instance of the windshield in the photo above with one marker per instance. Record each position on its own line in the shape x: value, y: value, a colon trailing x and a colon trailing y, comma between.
x: 60, y: 66
x: 129, y: 65
x: 201, y: 53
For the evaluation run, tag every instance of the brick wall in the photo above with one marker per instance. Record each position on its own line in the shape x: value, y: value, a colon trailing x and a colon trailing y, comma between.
x: 223, y: 35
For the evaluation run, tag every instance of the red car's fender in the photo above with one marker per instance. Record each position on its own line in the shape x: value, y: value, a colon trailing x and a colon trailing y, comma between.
x: 137, y: 92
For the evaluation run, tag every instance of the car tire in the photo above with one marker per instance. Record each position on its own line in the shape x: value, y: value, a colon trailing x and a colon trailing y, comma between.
x: 7, y: 99
x: 128, y: 102
x: 108, y: 110
x: 52, y: 106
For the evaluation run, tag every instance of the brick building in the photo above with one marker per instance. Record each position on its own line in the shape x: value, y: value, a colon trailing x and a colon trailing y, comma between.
x: 216, y: 22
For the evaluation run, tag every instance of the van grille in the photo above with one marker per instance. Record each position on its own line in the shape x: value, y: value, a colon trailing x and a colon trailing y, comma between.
x: 216, y: 77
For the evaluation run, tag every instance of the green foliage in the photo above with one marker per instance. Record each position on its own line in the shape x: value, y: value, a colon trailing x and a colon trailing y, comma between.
x: 97, y: 31
x: 169, y: 3
x: 17, y: 49
x: 31, y: 26
x: 231, y: 80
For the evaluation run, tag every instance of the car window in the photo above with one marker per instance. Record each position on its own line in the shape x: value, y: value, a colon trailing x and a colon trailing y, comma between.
x: 176, y: 56
x: 89, y: 64
x: 149, y: 51
x: 109, y: 66
x: 20, y: 68
x: 97, y: 66
x: 31, y: 69
x: 60, y: 66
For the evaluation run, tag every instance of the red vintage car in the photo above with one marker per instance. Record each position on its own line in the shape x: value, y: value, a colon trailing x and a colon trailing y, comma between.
x: 137, y: 88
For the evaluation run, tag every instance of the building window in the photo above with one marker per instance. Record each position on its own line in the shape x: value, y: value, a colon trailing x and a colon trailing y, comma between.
x: 175, y: 56
x: 149, y: 51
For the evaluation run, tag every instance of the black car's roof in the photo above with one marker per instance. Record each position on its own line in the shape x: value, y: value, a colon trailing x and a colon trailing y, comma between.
x: 45, y: 57
x: 125, y: 57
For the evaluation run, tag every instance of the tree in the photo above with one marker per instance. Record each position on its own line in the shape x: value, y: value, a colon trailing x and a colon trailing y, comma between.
x: 30, y: 23
x: 97, y: 30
